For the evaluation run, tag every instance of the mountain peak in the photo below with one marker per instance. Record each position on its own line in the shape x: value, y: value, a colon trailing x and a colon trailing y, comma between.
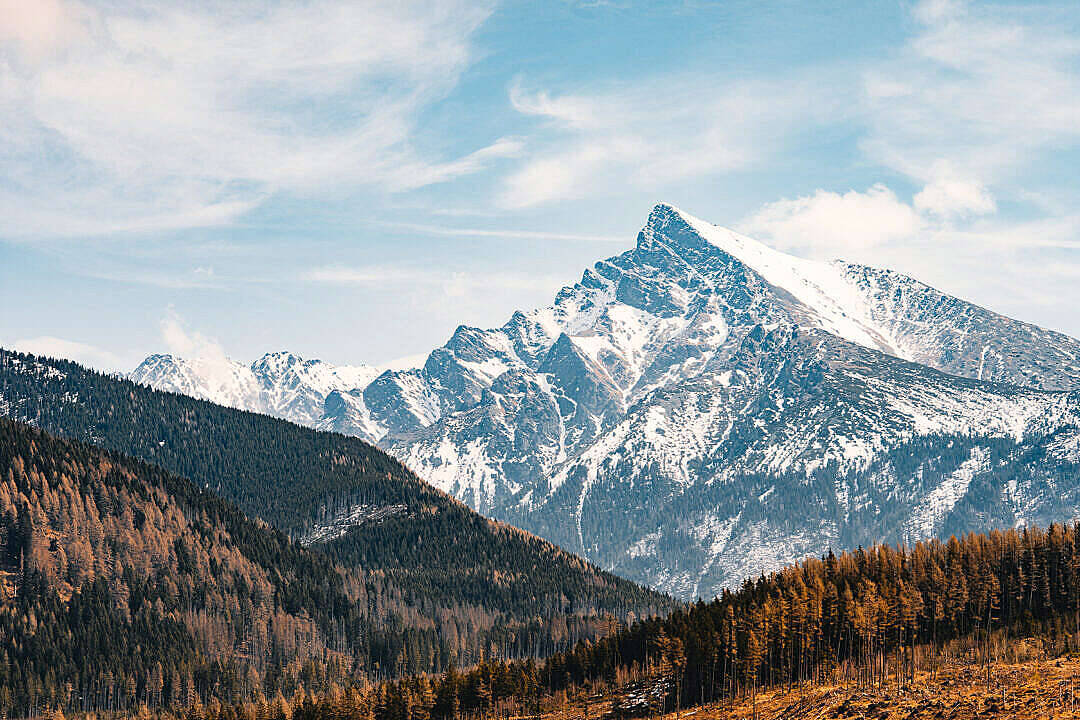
x: 669, y: 227
x: 819, y: 286
x: 159, y: 359
x: 697, y: 358
x: 684, y: 229
x: 278, y: 361
x: 679, y: 231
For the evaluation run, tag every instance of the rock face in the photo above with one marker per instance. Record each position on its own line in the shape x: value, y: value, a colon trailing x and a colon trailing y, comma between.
x: 702, y: 408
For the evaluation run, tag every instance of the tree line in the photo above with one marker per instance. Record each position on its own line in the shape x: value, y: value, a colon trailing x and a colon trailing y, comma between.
x: 413, y: 591
x: 866, y: 617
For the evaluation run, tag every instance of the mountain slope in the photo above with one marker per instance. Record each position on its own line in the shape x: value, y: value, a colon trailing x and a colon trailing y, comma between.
x: 131, y: 585
x: 702, y: 364
x: 763, y: 407
x: 456, y: 582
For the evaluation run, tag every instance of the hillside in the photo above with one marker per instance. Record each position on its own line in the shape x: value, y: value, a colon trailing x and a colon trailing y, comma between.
x: 446, y: 582
x: 983, y: 626
x: 127, y: 584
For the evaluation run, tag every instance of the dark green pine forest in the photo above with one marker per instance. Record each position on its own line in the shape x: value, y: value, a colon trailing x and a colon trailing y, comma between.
x: 422, y: 582
x: 122, y: 583
x: 872, y: 618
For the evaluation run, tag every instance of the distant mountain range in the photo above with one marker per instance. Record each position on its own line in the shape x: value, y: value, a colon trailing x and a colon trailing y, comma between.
x: 702, y: 408
x: 279, y: 384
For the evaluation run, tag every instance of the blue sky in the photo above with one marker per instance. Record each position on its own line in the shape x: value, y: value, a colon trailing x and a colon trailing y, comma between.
x: 351, y: 180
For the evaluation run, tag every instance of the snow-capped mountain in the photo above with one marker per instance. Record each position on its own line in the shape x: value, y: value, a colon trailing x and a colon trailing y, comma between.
x: 223, y: 382
x: 702, y: 408
x: 279, y: 383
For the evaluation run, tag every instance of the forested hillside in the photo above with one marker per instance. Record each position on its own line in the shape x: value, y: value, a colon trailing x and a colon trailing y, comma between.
x: 442, y: 584
x: 877, y: 627
x: 864, y: 611
x: 271, y: 469
x: 124, y: 584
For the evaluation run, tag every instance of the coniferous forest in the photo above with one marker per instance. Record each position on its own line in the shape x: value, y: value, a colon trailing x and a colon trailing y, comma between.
x: 869, y: 618
x: 127, y: 586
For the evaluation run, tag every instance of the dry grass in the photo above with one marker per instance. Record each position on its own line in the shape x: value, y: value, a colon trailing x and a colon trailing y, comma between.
x: 1032, y: 690
x: 1041, y: 689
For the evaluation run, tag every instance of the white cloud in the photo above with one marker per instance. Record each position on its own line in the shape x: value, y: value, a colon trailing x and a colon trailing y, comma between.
x: 205, y: 353
x: 948, y: 195
x: 979, y: 96
x: 831, y: 223
x: 657, y: 131
x: 187, y: 343
x: 406, y: 362
x: 976, y: 94
x: 82, y: 353
x: 934, y: 11
x: 989, y: 89
x: 127, y: 117
x: 1019, y: 268
x: 876, y: 226
x: 39, y: 28
x: 977, y: 108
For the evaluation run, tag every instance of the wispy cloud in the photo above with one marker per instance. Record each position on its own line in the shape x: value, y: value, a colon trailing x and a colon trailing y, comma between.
x: 436, y: 298
x: 977, y: 98
x: 986, y: 88
x: 453, y: 283
x: 951, y: 195
x: 127, y: 117
x: 977, y: 94
x: 187, y: 343
x: 657, y: 131
x: 204, y: 353
x: 504, y: 233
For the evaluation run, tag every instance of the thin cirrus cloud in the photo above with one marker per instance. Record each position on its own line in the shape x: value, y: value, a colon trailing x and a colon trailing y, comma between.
x: 453, y: 283
x: 974, y: 102
x: 504, y: 234
x: 976, y: 95
x: 440, y: 297
x: 127, y: 117
x: 985, y: 88
x: 655, y: 132
x: 973, y: 105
